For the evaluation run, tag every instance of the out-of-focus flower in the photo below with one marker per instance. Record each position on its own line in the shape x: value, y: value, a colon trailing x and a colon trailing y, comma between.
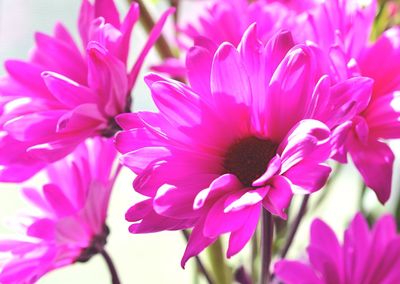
x: 240, y: 138
x: 71, y: 209
x: 63, y: 94
x: 342, y: 29
x: 366, y: 256
x: 226, y: 21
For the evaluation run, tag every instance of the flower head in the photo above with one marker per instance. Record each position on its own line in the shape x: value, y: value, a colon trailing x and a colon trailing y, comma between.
x: 71, y: 207
x: 366, y: 256
x: 342, y: 29
x: 226, y: 21
x: 63, y: 94
x: 240, y: 138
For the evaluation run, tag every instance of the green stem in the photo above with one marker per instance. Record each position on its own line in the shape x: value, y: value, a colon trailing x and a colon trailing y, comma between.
x: 295, y: 226
x: 267, y: 236
x: 363, y: 190
x: 217, y: 261
x: 200, y: 267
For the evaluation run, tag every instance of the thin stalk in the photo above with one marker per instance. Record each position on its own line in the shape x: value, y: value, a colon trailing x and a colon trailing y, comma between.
x: 325, y: 191
x: 267, y: 235
x: 111, y: 267
x: 363, y: 190
x: 254, y: 253
x: 148, y: 23
x: 217, y: 262
x: 200, y: 265
x: 295, y: 226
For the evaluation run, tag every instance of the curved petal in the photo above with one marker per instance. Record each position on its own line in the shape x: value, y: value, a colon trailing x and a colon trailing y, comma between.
x: 374, y: 160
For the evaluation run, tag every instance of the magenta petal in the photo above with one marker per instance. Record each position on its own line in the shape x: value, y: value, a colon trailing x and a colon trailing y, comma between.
x: 138, y: 160
x: 228, y: 76
x: 198, y: 64
x: 60, y: 203
x: 279, y: 196
x: 68, y: 92
x: 43, y: 229
x: 324, y: 251
x: 239, y: 238
x: 197, y: 243
x: 348, y: 99
x: 220, y: 186
x: 108, y: 10
x: 273, y: 167
x: 290, y: 91
x: 383, y: 116
x: 153, y: 37
x: 128, y: 120
x: 374, y: 160
x: 381, y: 60
x: 107, y: 75
x: 308, y: 140
x: 177, y: 201
x: 34, y: 125
x: 218, y: 221
x: 139, y: 210
x: 276, y: 50
x: 16, y: 165
x: 294, y: 272
x: 308, y: 177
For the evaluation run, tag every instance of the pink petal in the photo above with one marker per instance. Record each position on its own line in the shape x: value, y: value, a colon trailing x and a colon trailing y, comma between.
x: 153, y: 37
x: 308, y: 177
x: 228, y: 77
x: 108, y: 77
x: 294, y: 272
x: 138, y: 160
x: 107, y: 10
x: 68, y: 92
x: 290, y: 91
x: 278, y: 197
x: 196, y: 244
x: 308, y: 140
x: 220, y: 186
x: 239, y: 238
x: 218, y: 221
x: 374, y: 161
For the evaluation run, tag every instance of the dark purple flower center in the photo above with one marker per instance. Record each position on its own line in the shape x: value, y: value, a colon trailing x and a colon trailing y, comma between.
x: 96, y: 246
x: 112, y: 128
x: 248, y: 158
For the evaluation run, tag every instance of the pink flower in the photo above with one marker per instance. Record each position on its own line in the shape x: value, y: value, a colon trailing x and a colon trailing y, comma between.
x: 239, y: 139
x: 226, y: 21
x: 366, y: 256
x: 69, y: 225
x: 345, y: 27
x: 63, y: 95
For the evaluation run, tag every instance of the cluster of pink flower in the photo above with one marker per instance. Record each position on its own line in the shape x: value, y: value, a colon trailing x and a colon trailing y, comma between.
x: 270, y: 92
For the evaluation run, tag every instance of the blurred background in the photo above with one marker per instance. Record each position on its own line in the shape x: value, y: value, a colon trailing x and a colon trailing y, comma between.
x: 149, y: 258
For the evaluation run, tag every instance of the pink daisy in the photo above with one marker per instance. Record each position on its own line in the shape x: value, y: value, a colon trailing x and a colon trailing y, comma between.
x: 343, y: 28
x: 71, y: 209
x: 239, y: 139
x: 366, y: 256
x: 63, y: 94
x: 226, y: 21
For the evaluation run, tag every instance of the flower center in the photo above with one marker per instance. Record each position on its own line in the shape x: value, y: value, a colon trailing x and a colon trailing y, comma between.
x: 96, y: 246
x: 248, y: 158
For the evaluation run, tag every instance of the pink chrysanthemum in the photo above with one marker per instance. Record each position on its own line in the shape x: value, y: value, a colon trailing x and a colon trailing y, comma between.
x: 239, y: 139
x: 226, y: 21
x: 63, y: 94
x: 365, y: 256
x: 69, y: 225
x: 345, y: 26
